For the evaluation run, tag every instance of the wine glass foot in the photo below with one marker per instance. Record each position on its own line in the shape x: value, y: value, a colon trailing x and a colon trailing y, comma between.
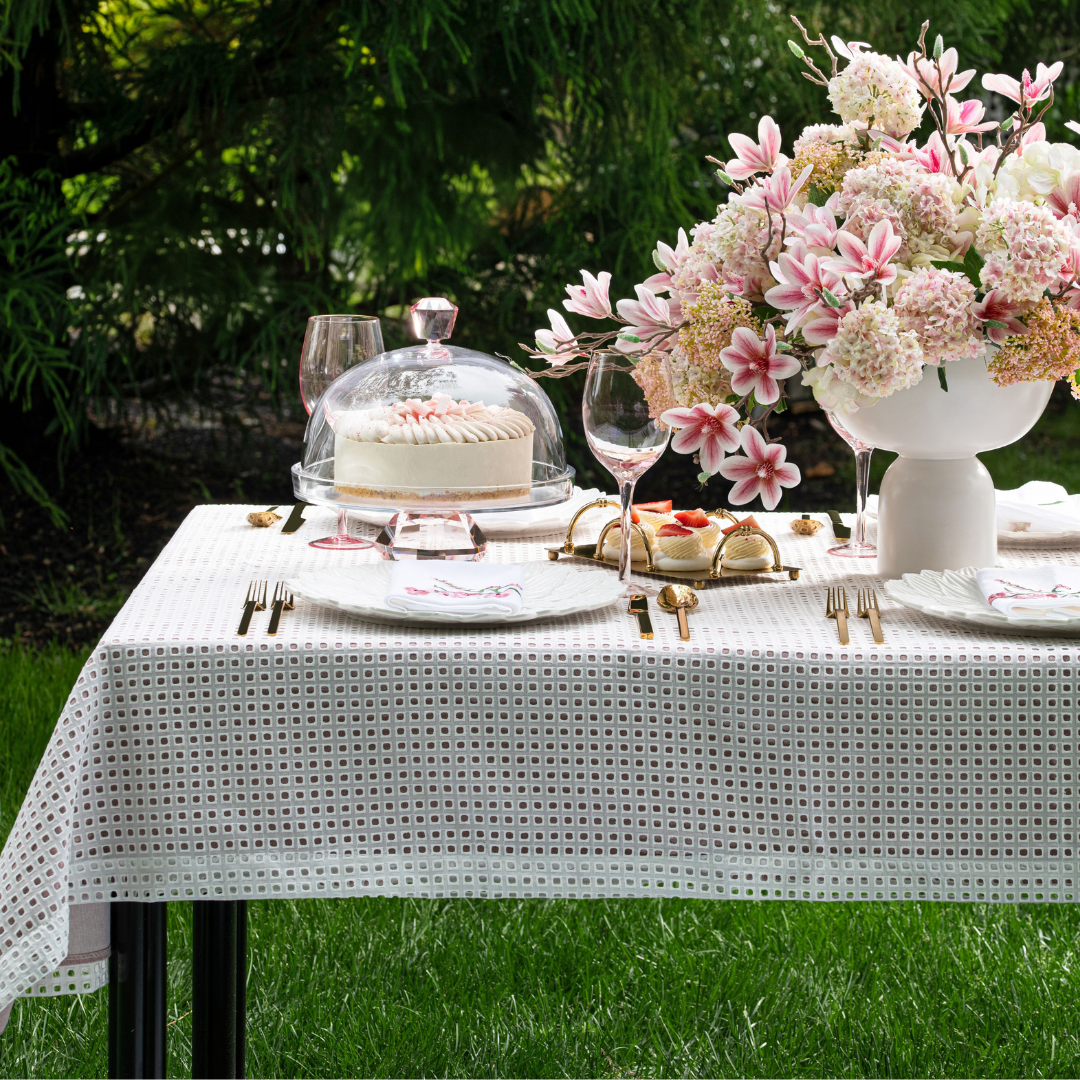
x: 854, y: 550
x: 340, y: 542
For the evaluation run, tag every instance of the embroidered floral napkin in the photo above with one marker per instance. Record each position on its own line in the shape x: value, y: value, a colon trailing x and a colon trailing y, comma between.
x: 467, y: 588
x: 1032, y: 592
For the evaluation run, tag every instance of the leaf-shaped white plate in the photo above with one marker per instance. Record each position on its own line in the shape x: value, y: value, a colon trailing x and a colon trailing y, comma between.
x: 955, y: 595
x: 550, y: 592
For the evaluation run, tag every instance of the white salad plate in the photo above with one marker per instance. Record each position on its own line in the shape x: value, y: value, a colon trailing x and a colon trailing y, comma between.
x: 955, y: 595
x: 551, y: 591
x: 518, y: 523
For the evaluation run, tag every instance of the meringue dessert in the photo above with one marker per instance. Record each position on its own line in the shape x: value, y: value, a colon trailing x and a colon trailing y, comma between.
x: 439, y: 450
x: 747, y: 553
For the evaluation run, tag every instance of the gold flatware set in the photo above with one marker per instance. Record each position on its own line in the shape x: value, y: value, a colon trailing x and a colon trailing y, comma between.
x: 256, y: 601
x: 866, y: 607
x: 677, y: 598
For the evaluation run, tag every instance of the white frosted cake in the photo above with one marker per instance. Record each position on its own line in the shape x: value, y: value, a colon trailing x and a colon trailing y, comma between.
x: 435, y: 451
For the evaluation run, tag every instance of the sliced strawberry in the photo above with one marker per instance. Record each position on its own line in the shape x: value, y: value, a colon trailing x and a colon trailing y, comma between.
x: 634, y: 515
x: 745, y: 521
x: 693, y: 519
x: 671, y: 529
x: 662, y: 507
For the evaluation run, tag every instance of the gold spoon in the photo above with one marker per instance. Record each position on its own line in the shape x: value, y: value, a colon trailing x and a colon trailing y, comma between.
x: 680, y: 599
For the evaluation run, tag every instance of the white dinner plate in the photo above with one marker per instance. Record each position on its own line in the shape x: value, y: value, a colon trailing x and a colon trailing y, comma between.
x: 551, y: 591
x: 955, y: 595
x: 518, y: 523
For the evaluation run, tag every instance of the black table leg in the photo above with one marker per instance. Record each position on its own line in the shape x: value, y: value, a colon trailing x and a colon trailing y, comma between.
x: 137, y: 990
x: 219, y: 971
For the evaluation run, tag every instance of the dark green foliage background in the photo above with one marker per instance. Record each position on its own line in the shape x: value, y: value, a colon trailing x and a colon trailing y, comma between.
x: 185, y: 181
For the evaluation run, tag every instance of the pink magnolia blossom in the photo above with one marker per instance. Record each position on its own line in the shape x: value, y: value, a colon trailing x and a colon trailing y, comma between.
x: 756, y: 365
x: 650, y: 317
x: 669, y: 260
x: 871, y: 258
x: 924, y: 71
x: 590, y: 299
x: 814, y: 226
x: 705, y: 430
x: 825, y: 323
x: 557, y: 344
x: 1027, y: 91
x: 996, y: 308
x: 752, y: 157
x: 964, y: 116
x: 802, y: 279
x: 1065, y: 199
x: 764, y: 470
x: 934, y: 157
x: 1035, y: 133
x: 776, y: 192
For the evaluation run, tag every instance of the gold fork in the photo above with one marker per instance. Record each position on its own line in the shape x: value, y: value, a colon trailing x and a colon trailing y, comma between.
x: 256, y: 601
x: 867, y: 607
x: 283, y: 601
x: 836, y: 607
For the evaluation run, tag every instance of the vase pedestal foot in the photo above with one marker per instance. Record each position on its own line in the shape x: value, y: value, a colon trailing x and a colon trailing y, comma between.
x: 936, y: 515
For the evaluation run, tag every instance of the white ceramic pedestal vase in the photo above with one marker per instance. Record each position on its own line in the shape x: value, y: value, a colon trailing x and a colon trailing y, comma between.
x: 936, y: 508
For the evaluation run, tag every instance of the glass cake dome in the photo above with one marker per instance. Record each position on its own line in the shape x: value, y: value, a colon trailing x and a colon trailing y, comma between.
x: 433, y: 427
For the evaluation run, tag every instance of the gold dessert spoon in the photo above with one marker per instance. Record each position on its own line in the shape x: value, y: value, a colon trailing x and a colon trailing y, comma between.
x: 680, y: 599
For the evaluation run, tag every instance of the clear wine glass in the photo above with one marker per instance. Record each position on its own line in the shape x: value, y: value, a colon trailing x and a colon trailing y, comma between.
x: 622, y: 435
x: 857, y: 547
x: 332, y: 344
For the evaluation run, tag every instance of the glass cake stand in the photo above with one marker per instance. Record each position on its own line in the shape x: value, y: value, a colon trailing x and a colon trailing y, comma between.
x: 416, y: 398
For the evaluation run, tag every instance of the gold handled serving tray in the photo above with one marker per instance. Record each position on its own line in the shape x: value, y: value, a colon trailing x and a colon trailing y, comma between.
x: 700, y: 578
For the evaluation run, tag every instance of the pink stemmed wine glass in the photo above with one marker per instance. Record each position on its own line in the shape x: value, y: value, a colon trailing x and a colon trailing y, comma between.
x: 332, y: 344
x: 857, y: 547
x: 622, y: 435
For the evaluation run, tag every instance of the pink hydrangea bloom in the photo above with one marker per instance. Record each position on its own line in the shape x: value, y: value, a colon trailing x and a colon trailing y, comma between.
x: 938, y: 305
x: 873, y: 353
x: 923, y: 207
x: 764, y: 471
x: 1025, y: 247
x: 739, y: 236
x: 877, y: 91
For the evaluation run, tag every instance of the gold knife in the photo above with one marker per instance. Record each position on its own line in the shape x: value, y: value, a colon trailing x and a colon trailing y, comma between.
x: 639, y: 606
x: 296, y: 518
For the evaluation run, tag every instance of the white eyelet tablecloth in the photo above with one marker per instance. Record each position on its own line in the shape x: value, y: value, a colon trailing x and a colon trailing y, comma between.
x: 568, y: 758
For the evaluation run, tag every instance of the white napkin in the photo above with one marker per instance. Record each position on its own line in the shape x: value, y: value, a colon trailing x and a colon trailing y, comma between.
x: 1032, y: 592
x: 1040, y: 506
x: 467, y: 588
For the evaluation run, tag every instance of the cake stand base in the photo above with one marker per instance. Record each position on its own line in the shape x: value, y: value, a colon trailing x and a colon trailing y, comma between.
x: 424, y: 534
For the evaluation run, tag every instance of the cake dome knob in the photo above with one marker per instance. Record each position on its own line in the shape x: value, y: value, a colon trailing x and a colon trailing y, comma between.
x: 433, y: 318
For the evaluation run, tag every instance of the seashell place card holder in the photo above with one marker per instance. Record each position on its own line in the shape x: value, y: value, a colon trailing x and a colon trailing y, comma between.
x: 744, y: 552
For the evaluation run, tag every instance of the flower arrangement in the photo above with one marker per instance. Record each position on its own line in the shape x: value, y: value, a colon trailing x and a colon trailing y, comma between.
x: 855, y: 263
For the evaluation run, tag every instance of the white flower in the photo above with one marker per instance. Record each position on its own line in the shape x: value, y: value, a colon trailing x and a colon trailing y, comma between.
x: 877, y: 91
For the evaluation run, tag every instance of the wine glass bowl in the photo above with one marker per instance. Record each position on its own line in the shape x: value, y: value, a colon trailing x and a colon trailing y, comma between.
x: 622, y: 434
x: 332, y: 345
x: 857, y: 547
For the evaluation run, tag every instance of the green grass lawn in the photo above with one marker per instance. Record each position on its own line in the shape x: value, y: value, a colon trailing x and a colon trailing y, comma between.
x: 604, y: 988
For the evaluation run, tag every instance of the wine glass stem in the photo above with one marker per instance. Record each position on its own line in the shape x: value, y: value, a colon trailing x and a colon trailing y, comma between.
x: 342, y: 523
x: 862, y: 489
x: 626, y: 498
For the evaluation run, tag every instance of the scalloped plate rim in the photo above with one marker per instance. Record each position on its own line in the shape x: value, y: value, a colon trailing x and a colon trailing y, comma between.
x: 943, y: 609
x: 595, y: 600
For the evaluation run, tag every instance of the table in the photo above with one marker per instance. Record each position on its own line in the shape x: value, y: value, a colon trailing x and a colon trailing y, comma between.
x: 759, y: 760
